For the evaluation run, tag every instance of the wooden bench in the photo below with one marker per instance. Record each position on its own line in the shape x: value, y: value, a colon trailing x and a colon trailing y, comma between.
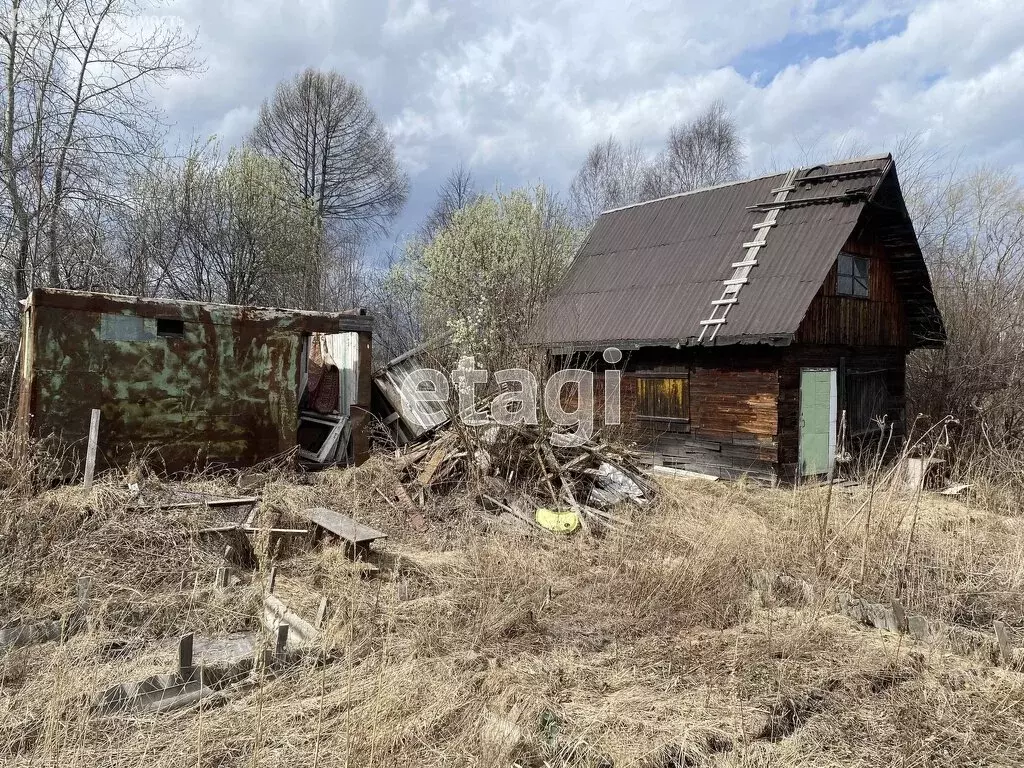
x: 344, y: 527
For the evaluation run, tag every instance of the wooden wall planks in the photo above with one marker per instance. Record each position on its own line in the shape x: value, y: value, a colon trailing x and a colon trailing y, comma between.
x: 879, y: 320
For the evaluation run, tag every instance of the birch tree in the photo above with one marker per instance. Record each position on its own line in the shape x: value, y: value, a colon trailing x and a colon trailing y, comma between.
x: 612, y: 175
x: 697, y: 153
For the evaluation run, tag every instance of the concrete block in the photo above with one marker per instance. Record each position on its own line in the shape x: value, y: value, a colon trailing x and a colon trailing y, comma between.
x: 920, y: 628
x: 879, y: 616
x: 301, y: 632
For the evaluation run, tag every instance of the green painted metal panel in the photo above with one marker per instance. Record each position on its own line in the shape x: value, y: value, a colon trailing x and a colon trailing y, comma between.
x: 220, y: 393
x: 817, y: 420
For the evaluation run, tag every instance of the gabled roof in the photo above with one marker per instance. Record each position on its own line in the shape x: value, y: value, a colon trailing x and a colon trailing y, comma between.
x: 647, y: 273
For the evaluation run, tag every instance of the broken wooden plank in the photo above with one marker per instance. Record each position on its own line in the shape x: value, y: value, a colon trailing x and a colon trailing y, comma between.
x: 427, y: 474
x: 1003, y: 640
x: 956, y: 489
x: 253, y: 529
x: 90, y: 451
x: 275, y: 531
x: 321, y: 613
x: 222, y: 502
x: 276, y: 613
x: 219, y: 529
x: 683, y: 473
x: 343, y: 526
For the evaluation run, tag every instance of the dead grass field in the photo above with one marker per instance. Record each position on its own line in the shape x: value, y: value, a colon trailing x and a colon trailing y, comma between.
x: 655, y: 645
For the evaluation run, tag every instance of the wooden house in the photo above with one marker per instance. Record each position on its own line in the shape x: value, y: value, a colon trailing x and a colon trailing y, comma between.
x: 758, y: 320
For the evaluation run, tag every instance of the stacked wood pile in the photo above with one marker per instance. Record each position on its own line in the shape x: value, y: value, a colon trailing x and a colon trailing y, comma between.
x: 515, y: 470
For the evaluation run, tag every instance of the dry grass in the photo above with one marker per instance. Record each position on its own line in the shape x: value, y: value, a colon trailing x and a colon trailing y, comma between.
x: 651, y: 646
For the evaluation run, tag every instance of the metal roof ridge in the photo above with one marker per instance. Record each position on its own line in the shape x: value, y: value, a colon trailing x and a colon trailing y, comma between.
x: 799, y: 168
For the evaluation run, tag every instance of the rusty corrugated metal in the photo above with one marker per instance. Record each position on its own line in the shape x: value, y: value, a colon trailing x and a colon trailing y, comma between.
x: 217, y: 384
x: 647, y: 273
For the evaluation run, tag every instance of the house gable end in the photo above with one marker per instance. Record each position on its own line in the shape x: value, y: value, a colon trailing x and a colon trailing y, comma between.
x: 899, y: 309
x: 840, y: 316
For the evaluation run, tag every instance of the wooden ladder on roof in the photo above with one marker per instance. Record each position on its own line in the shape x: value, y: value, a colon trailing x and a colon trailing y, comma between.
x: 741, y: 269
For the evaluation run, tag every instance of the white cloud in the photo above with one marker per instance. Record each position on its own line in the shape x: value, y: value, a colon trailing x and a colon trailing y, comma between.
x: 409, y: 17
x: 519, y: 91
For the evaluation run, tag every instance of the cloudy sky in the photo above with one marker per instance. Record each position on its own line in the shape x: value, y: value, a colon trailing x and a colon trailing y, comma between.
x: 519, y: 90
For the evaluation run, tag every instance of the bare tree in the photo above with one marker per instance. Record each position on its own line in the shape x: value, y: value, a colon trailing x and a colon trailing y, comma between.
x: 76, y: 114
x: 699, y: 153
x: 233, y: 229
x: 396, y: 297
x: 705, y: 151
x: 323, y: 126
x: 455, y: 193
x: 612, y: 175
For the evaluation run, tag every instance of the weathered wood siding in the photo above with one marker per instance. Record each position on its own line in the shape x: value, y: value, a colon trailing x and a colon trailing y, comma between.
x: 733, y: 413
x: 892, y: 362
x: 876, y: 321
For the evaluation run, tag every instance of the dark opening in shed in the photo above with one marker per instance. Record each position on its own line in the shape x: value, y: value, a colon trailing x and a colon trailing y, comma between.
x: 167, y: 327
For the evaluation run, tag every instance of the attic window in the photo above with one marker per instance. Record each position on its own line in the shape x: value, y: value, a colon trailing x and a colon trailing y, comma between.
x: 170, y: 328
x: 853, y: 276
x: 663, y: 397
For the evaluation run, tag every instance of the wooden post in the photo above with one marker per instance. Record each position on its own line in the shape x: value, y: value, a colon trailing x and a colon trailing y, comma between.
x: 321, y: 613
x: 223, y: 577
x: 185, y: 667
x: 271, y: 579
x: 1003, y: 638
x: 90, y: 454
x: 360, y: 411
x: 282, y: 641
x: 82, y: 590
x: 900, y: 616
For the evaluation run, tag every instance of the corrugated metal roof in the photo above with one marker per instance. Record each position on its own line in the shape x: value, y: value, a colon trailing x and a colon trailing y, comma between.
x: 647, y: 273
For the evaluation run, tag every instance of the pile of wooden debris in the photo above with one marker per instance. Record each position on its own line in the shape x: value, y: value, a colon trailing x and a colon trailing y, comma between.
x: 526, y: 475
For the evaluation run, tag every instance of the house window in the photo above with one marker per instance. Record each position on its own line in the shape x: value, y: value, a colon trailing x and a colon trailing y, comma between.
x: 663, y: 397
x: 171, y: 328
x: 853, y: 276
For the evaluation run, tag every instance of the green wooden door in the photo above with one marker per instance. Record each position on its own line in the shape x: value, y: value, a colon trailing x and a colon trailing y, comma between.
x: 817, y: 420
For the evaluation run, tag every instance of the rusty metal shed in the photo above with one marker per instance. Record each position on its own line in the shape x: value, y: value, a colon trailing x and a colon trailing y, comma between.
x: 187, y: 384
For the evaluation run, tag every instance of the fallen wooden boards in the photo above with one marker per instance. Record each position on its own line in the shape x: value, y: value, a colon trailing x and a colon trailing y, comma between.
x: 994, y: 648
x: 254, y: 529
x: 343, y: 526
x: 20, y: 633
x: 209, y: 502
x: 300, y: 632
x: 157, y: 693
